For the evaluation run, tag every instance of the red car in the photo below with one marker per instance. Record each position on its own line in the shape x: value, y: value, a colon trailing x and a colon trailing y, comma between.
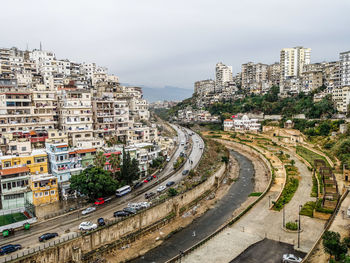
x: 100, y: 201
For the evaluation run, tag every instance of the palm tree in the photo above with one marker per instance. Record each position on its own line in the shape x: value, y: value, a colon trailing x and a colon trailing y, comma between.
x: 100, y: 160
x: 114, y: 161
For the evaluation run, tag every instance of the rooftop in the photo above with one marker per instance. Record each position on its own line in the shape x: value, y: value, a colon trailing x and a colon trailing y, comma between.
x: 16, y: 170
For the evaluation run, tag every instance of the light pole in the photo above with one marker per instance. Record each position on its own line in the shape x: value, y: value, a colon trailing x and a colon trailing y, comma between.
x: 284, y: 215
x: 299, y: 223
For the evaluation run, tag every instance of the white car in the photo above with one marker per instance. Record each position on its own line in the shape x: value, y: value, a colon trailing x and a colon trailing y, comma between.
x: 168, y: 159
x: 161, y: 188
x: 88, y: 210
x: 290, y: 258
x: 135, y: 206
x: 87, y: 226
x: 145, y: 204
x: 197, y: 140
x: 201, y: 147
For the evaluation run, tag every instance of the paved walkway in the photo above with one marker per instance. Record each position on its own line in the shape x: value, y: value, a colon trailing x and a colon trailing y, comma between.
x: 261, y: 222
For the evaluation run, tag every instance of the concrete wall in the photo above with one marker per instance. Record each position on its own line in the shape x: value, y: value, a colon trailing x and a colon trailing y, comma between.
x: 75, y: 248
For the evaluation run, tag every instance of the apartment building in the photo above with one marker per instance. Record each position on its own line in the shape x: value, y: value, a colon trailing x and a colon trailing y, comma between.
x: 15, y: 188
x: 203, y: 87
x: 75, y: 114
x: 292, y: 61
x: 223, y: 74
x: 311, y: 80
x: 45, y: 189
x: 274, y: 74
x: 242, y: 125
x: 253, y: 74
x: 344, y: 68
x: 139, y: 109
x: 104, y: 117
x: 36, y: 161
x: 341, y: 98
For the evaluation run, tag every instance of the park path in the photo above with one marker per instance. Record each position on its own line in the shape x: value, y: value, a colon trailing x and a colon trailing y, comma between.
x: 261, y: 222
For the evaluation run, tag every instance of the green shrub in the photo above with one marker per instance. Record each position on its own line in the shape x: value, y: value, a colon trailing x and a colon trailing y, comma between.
x: 308, y: 209
x: 287, y: 193
x: 292, y: 226
x: 321, y: 209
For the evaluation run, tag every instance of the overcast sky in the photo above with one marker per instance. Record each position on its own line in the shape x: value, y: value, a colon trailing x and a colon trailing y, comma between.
x: 161, y: 42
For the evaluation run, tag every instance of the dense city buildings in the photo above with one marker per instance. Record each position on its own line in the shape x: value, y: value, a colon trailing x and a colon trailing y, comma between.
x: 55, y: 115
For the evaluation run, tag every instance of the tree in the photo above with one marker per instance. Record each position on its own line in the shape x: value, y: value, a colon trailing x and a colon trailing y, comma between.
x: 172, y: 192
x: 332, y: 244
x: 114, y: 161
x: 134, y: 170
x: 125, y: 167
x: 100, y: 160
x: 94, y: 182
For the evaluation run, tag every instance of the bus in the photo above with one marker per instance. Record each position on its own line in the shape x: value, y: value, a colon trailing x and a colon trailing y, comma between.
x: 123, y: 190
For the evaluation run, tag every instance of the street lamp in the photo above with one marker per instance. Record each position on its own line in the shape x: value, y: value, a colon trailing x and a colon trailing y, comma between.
x: 284, y: 215
x: 299, y: 223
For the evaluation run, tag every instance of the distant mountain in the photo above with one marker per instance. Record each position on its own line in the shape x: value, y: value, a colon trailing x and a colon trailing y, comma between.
x: 167, y: 93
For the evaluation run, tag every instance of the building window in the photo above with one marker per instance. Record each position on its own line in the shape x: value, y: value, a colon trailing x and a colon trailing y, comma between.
x: 39, y: 159
x: 35, y: 184
x: 24, y: 149
x: 41, y: 169
x: 7, y: 164
x: 13, y: 184
x: 52, y: 192
x: 53, y: 182
x: 3, y: 186
x: 36, y: 195
x: 41, y: 194
x: 46, y: 193
x: 14, y: 196
x: 29, y: 162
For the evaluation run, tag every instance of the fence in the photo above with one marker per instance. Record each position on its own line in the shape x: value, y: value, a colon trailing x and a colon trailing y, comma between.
x: 28, y: 252
x: 18, y: 224
x: 12, y: 211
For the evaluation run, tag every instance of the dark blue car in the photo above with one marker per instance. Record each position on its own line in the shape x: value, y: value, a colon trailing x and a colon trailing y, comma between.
x: 9, y: 249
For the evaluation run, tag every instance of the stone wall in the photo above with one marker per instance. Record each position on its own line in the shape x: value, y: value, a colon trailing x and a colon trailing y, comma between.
x: 73, y: 250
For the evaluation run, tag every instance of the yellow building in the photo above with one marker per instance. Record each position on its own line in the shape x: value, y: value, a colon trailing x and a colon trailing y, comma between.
x: 36, y: 161
x: 45, y: 189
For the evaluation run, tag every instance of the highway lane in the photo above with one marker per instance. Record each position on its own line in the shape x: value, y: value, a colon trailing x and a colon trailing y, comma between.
x: 70, y: 222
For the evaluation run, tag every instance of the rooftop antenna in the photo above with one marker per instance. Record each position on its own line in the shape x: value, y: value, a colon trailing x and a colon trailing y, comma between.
x: 27, y: 46
x: 40, y: 46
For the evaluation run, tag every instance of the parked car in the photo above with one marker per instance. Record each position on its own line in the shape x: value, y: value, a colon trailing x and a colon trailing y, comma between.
x: 182, y: 154
x: 170, y: 183
x: 101, y: 221
x: 138, y: 185
x: 120, y: 214
x: 168, y: 159
x: 135, y: 206
x: 149, y: 178
x: 186, y: 147
x: 47, y: 236
x: 130, y: 210
x: 185, y: 172
x: 88, y: 210
x: 290, y: 258
x: 201, y: 147
x: 99, y: 201
x: 145, y: 204
x: 197, y: 140
x: 161, y: 188
x: 87, y: 226
x: 149, y: 195
x: 9, y: 249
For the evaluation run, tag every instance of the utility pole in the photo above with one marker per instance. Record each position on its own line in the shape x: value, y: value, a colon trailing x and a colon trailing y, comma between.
x: 284, y: 216
x: 299, y: 223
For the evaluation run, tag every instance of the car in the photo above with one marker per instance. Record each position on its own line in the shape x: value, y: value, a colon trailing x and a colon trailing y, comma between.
x: 186, y: 147
x: 120, y: 214
x: 87, y: 226
x: 130, y: 210
x: 201, y: 147
x: 168, y: 159
x: 161, y: 188
x: 88, y: 210
x: 170, y: 183
x: 149, y: 195
x: 138, y: 185
x: 149, y: 178
x: 47, y: 236
x: 101, y: 221
x: 154, y: 176
x: 182, y: 142
x: 99, y: 201
x: 145, y: 204
x: 290, y: 258
x: 185, y: 172
x: 135, y: 206
x: 9, y: 249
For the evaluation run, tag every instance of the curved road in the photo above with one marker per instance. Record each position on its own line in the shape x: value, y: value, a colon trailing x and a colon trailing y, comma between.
x: 211, y: 220
x: 29, y: 239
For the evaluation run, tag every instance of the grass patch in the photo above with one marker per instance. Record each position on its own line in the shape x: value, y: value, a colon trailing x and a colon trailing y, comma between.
x: 255, y: 194
x: 11, y: 218
x: 308, y: 209
x: 314, y: 189
x: 310, y: 156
